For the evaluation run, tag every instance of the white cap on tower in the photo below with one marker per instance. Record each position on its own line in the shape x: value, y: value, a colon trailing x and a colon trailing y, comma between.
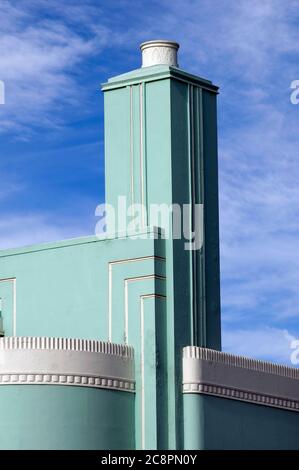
x: 159, y: 52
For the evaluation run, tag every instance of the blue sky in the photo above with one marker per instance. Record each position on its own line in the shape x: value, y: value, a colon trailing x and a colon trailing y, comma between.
x: 54, y: 55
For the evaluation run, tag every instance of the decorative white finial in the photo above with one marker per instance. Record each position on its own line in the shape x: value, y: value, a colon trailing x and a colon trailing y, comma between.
x: 159, y: 52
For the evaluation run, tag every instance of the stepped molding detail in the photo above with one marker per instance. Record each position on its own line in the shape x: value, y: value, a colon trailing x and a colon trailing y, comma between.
x: 224, y: 375
x: 66, y: 361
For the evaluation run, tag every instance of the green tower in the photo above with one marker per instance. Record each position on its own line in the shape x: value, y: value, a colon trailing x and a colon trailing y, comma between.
x: 166, y: 153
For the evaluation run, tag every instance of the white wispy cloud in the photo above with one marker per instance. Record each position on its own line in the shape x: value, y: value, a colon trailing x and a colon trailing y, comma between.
x: 272, y: 344
x: 39, y: 57
x: 24, y: 229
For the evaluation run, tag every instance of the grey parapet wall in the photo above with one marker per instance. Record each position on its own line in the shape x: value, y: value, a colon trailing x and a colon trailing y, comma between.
x: 236, y: 402
x: 59, y: 393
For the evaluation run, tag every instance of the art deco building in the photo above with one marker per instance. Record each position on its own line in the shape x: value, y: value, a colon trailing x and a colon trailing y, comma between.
x: 114, y: 342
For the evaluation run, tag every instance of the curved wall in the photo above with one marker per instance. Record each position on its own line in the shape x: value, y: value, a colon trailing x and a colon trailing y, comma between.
x: 66, y: 394
x: 56, y: 417
x: 233, y: 402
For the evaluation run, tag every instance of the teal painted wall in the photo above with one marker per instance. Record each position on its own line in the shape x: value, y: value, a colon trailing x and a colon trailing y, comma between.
x: 86, y: 288
x: 62, y: 289
x: 65, y: 417
x: 213, y: 423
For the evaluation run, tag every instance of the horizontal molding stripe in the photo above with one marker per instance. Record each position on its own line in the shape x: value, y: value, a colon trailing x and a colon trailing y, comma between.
x: 67, y: 379
x: 224, y: 375
x: 242, y: 395
x: 206, y: 354
x: 66, y: 344
x: 66, y: 361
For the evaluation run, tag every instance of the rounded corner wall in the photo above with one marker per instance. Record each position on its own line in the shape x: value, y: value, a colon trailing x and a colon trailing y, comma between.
x: 60, y: 394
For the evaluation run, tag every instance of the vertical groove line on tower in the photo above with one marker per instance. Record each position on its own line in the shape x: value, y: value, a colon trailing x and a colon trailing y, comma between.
x: 131, y: 144
x: 203, y: 336
x: 141, y: 119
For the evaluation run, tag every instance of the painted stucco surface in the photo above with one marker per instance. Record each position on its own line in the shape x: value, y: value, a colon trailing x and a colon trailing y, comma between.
x: 112, y: 290
x: 57, y: 417
x: 62, y: 289
x: 217, y: 423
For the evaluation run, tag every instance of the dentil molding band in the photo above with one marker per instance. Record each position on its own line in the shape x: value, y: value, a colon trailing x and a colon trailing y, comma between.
x: 234, y: 377
x: 62, y: 361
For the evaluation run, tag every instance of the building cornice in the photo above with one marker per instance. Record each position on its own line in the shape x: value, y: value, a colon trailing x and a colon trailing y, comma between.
x: 157, y: 72
x: 65, y: 344
x: 64, y: 361
x: 228, y: 376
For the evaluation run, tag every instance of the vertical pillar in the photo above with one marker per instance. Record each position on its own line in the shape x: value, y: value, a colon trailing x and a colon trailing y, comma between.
x: 161, y: 148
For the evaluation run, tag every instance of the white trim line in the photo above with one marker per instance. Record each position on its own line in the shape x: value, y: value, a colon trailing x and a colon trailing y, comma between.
x: 110, y: 301
x: 127, y: 282
x: 225, y: 375
x: 68, y: 379
x: 142, y: 299
x: 131, y: 145
x: 141, y: 150
x: 65, y: 344
x: 65, y: 361
x: 195, y: 352
x: 241, y: 395
x: 110, y: 282
x: 142, y: 373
